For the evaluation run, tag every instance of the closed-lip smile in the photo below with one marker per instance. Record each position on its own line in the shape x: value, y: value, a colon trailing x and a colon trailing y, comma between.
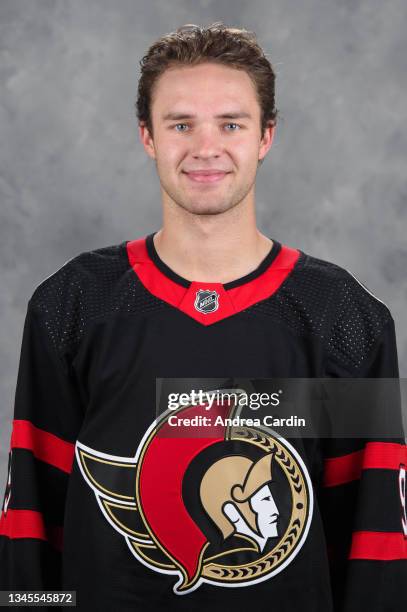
x: 206, y: 176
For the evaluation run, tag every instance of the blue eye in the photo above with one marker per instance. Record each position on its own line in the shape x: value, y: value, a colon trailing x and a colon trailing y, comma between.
x: 177, y: 127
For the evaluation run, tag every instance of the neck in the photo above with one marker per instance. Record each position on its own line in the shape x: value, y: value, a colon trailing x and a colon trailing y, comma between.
x: 211, y: 248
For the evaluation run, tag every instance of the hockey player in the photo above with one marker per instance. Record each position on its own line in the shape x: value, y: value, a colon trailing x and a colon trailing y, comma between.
x: 102, y: 497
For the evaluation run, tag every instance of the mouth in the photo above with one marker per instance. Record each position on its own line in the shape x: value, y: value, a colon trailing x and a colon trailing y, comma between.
x: 273, y: 519
x: 206, y: 176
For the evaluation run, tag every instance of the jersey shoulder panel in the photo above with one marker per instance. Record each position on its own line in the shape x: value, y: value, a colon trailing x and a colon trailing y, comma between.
x: 324, y: 300
x: 358, y: 316
x: 306, y: 301
x: 92, y: 284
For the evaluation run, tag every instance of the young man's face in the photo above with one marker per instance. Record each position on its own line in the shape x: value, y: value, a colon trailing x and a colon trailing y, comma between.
x: 207, y: 139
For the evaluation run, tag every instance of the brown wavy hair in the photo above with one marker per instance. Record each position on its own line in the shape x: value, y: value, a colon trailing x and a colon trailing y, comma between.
x: 191, y: 45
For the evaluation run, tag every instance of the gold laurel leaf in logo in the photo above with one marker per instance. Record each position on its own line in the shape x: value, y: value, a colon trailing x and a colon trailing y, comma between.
x: 290, y: 539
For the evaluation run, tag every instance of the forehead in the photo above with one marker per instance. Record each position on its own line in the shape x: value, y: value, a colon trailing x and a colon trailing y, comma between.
x: 203, y: 87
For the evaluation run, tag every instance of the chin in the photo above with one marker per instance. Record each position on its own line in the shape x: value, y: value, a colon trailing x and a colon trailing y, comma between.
x: 207, y: 211
x: 207, y: 208
x: 271, y: 533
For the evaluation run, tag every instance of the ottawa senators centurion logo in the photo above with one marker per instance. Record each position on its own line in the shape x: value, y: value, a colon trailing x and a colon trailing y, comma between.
x: 230, y: 506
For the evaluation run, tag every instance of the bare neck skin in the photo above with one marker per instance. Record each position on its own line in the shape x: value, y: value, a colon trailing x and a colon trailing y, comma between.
x: 211, y: 248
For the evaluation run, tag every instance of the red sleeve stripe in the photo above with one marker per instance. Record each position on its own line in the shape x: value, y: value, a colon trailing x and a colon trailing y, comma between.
x: 378, y: 546
x: 45, y: 446
x: 375, y: 455
x: 29, y: 524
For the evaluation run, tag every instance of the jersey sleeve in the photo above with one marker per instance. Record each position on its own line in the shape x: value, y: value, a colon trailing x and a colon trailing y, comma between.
x: 363, y: 503
x: 46, y: 420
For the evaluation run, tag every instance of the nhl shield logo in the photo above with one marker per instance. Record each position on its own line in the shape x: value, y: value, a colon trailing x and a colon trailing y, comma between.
x: 206, y: 301
x: 230, y: 509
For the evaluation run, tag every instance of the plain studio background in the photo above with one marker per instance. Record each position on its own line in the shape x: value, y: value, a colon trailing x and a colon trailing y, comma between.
x: 75, y: 177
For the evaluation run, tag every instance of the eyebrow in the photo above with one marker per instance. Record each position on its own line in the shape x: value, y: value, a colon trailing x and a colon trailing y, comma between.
x: 178, y: 116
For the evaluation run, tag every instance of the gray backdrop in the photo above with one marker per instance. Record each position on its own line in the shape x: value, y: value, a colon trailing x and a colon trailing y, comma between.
x: 75, y: 177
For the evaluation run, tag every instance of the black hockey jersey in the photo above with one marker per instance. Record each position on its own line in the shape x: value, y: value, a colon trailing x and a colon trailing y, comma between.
x: 102, y: 498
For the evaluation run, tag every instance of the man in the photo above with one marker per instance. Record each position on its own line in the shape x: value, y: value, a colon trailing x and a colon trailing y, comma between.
x: 102, y: 497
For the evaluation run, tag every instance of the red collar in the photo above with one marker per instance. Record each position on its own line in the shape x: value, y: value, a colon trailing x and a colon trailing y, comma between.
x: 209, y: 303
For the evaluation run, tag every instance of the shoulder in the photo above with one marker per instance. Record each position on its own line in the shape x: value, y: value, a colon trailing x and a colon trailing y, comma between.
x: 354, y: 316
x: 87, y: 266
x: 348, y: 291
x: 90, y: 273
x: 81, y: 289
x: 328, y: 269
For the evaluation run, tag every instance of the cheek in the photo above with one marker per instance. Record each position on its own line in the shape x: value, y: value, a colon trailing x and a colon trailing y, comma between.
x: 167, y: 160
x: 172, y: 152
x: 245, y: 150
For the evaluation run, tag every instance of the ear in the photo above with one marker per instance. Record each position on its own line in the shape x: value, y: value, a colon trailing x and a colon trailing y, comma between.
x: 232, y: 513
x: 267, y: 139
x: 146, y: 139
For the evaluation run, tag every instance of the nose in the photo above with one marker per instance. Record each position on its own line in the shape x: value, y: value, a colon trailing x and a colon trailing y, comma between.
x: 206, y: 143
x: 273, y: 507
